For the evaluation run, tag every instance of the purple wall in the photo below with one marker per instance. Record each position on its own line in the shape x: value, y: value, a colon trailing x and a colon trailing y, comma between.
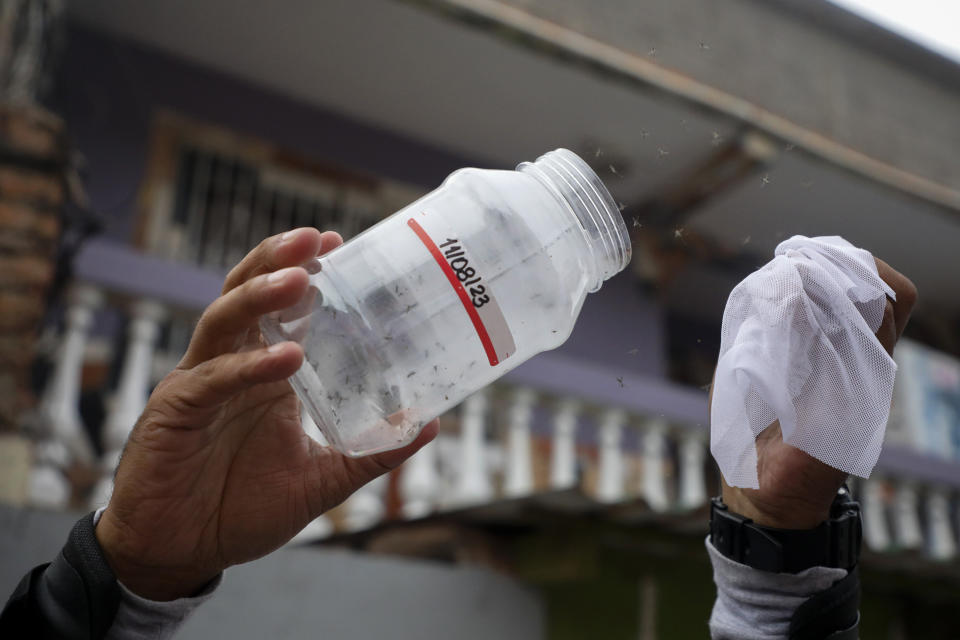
x: 108, y: 90
x: 616, y: 320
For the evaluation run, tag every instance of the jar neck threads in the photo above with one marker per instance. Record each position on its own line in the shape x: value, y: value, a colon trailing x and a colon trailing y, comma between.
x: 578, y: 187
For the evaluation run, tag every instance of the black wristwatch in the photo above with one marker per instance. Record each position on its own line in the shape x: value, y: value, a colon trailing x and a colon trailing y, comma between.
x: 833, y: 543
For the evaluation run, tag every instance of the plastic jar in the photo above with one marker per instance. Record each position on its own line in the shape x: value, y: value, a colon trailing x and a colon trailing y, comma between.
x: 448, y: 294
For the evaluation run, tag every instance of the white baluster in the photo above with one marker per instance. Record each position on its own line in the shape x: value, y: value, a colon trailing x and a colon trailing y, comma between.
x: 876, y: 533
x: 133, y: 387
x: 366, y: 507
x: 48, y: 488
x: 693, y: 484
x: 103, y: 489
x: 563, y: 456
x: 59, y: 407
x: 473, y: 483
x: 654, y: 443
x: 906, y: 518
x: 131, y: 395
x: 420, y: 482
x: 942, y: 544
x: 611, y: 470
x: 519, y: 474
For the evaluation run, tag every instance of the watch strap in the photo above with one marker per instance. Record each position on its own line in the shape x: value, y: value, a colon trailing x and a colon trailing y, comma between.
x: 833, y: 543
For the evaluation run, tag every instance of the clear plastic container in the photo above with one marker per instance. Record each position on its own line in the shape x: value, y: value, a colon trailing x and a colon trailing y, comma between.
x: 448, y: 294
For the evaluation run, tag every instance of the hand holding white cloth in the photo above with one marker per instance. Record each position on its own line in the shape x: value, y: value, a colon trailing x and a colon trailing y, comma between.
x: 798, y: 346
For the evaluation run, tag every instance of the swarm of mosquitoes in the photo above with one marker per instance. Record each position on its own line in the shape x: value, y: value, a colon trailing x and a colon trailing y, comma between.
x: 716, y: 140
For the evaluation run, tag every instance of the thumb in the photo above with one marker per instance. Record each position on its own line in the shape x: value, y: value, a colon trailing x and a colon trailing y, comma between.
x: 389, y: 460
x: 336, y: 476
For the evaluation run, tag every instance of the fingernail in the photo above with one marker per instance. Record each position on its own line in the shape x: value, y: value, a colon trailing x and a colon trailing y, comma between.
x: 276, y: 347
x: 278, y: 276
x: 289, y: 235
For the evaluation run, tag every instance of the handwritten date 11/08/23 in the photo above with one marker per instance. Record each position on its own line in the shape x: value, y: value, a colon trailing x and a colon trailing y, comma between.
x: 466, y: 274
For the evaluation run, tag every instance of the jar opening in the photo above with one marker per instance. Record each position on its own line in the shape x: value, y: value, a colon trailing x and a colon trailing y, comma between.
x: 578, y: 186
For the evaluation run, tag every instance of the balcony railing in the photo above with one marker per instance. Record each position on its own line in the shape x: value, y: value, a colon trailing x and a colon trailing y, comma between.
x: 552, y: 426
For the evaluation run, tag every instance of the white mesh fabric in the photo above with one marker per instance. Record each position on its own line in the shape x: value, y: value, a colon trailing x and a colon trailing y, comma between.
x: 798, y: 346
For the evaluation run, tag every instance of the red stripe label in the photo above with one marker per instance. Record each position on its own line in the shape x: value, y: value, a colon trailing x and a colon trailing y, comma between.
x: 475, y: 294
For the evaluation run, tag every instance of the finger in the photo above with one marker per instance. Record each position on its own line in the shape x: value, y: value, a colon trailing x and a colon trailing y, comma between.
x: 230, y: 316
x: 905, y: 291
x: 285, y: 250
x: 215, y: 381
x: 329, y: 240
x: 335, y: 476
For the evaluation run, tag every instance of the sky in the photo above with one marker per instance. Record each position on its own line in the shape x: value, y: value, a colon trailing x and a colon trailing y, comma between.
x: 934, y: 24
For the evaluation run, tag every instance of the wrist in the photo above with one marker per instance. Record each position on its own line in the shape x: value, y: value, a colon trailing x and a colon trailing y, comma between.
x: 132, y: 568
x: 787, y: 513
x: 834, y: 542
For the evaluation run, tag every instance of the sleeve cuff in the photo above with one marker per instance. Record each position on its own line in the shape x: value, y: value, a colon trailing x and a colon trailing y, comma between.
x: 138, y: 617
x: 758, y: 605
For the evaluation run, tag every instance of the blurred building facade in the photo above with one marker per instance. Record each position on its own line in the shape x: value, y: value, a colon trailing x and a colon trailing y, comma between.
x: 722, y: 127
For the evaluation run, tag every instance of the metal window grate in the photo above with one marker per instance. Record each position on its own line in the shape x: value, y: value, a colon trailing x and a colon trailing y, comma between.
x: 223, y: 206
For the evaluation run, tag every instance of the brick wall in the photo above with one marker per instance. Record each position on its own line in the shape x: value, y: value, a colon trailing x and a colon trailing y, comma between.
x: 32, y: 194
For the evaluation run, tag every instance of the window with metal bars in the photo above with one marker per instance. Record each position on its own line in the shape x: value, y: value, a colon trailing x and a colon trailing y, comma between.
x: 210, y: 195
x: 225, y: 206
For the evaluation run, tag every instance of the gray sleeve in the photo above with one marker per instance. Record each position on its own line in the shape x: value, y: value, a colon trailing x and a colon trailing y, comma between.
x: 141, y: 619
x: 757, y: 605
